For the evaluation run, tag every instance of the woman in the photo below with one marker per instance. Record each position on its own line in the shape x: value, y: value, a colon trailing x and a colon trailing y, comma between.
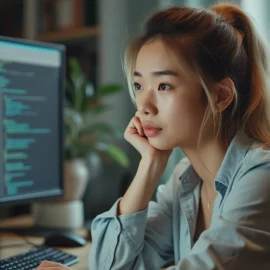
x: 198, y: 78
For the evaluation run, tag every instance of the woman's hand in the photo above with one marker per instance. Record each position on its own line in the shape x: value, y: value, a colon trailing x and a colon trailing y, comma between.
x: 46, y: 265
x: 151, y: 167
x: 134, y: 134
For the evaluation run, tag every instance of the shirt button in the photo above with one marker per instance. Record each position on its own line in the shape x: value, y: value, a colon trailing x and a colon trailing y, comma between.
x: 116, y: 227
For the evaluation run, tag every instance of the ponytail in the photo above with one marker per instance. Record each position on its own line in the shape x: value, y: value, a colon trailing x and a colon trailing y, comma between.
x: 256, y: 116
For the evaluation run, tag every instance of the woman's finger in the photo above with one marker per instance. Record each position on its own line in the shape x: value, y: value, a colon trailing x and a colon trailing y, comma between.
x: 52, y: 265
x: 138, y: 125
x: 134, y: 126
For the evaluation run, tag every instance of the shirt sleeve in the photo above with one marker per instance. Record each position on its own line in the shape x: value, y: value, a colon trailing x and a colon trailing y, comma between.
x: 142, y: 240
x: 240, y: 237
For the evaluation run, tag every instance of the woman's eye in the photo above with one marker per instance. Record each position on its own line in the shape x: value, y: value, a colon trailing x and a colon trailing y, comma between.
x: 137, y: 86
x: 164, y: 87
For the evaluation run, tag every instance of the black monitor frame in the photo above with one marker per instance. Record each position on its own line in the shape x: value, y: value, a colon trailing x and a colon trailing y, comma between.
x: 61, y: 87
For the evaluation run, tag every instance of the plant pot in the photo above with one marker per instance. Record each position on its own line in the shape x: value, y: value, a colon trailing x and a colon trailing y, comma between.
x: 68, y: 211
x: 76, y: 176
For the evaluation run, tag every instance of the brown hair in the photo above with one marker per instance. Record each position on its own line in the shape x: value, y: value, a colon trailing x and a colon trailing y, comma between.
x: 217, y: 43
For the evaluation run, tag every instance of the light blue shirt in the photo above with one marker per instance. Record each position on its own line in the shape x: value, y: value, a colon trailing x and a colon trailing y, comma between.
x: 239, y: 235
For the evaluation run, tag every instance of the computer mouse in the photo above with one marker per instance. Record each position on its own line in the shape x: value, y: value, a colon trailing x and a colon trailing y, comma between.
x: 64, y: 239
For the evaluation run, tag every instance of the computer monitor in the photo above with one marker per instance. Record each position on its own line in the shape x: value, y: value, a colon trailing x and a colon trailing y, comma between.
x: 31, y: 114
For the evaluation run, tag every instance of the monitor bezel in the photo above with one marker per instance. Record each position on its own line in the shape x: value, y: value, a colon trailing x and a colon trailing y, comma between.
x: 62, y: 72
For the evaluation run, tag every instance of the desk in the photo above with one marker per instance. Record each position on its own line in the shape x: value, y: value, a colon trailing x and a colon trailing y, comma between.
x: 9, y: 239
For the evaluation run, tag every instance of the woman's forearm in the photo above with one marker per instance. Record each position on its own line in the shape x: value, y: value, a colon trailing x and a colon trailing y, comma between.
x: 142, y: 188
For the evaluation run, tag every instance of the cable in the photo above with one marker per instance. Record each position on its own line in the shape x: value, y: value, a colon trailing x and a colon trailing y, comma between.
x: 26, y: 242
x: 29, y: 242
x: 12, y: 246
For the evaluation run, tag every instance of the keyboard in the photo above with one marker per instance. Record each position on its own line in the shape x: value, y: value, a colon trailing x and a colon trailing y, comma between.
x: 31, y: 259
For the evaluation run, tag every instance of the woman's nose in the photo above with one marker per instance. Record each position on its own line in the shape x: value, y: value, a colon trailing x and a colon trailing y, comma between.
x: 146, y: 104
x: 143, y: 110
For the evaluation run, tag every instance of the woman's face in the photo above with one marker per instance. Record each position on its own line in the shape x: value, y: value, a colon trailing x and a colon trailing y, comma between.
x: 166, y: 98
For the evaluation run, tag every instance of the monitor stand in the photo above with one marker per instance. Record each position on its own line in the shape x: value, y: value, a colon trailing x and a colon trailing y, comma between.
x: 59, y: 214
x: 51, y: 217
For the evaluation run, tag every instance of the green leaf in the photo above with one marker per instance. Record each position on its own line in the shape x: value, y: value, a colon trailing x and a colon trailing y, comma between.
x: 114, y: 152
x: 78, y: 150
x: 118, y: 155
x: 101, y: 147
x: 99, y: 109
x: 80, y: 89
x: 72, y: 124
x: 77, y: 85
x: 102, y: 128
x: 108, y: 89
x: 69, y: 87
x: 74, y: 65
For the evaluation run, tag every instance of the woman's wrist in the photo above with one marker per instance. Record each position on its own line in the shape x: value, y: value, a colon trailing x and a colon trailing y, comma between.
x: 153, y: 168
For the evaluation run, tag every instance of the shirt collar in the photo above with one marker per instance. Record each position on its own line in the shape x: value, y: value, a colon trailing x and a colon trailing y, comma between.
x: 231, y: 162
x: 189, y: 179
x: 233, y: 158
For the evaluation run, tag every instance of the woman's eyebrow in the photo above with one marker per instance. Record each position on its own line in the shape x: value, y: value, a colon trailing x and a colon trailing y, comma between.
x: 166, y: 72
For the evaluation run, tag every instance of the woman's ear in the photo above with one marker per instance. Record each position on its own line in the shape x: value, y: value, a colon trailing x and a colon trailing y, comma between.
x: 223, y: 94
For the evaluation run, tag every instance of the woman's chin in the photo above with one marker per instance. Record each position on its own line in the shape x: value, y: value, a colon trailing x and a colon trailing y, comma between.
x: 162, y: 146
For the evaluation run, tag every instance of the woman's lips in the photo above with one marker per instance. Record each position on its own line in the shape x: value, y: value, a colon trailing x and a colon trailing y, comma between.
x: 151, y: 132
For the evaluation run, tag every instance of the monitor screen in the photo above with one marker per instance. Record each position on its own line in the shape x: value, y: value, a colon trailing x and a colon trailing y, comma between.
x: 31, y: 115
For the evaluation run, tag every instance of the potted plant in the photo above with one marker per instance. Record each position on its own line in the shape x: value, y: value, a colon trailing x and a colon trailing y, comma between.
x: 85, y: 133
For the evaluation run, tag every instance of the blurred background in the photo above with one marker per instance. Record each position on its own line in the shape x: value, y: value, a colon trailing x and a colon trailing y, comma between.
x: 95, y: 33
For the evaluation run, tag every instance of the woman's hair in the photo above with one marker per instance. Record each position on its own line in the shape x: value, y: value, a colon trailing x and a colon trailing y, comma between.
x: 216, y: 43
